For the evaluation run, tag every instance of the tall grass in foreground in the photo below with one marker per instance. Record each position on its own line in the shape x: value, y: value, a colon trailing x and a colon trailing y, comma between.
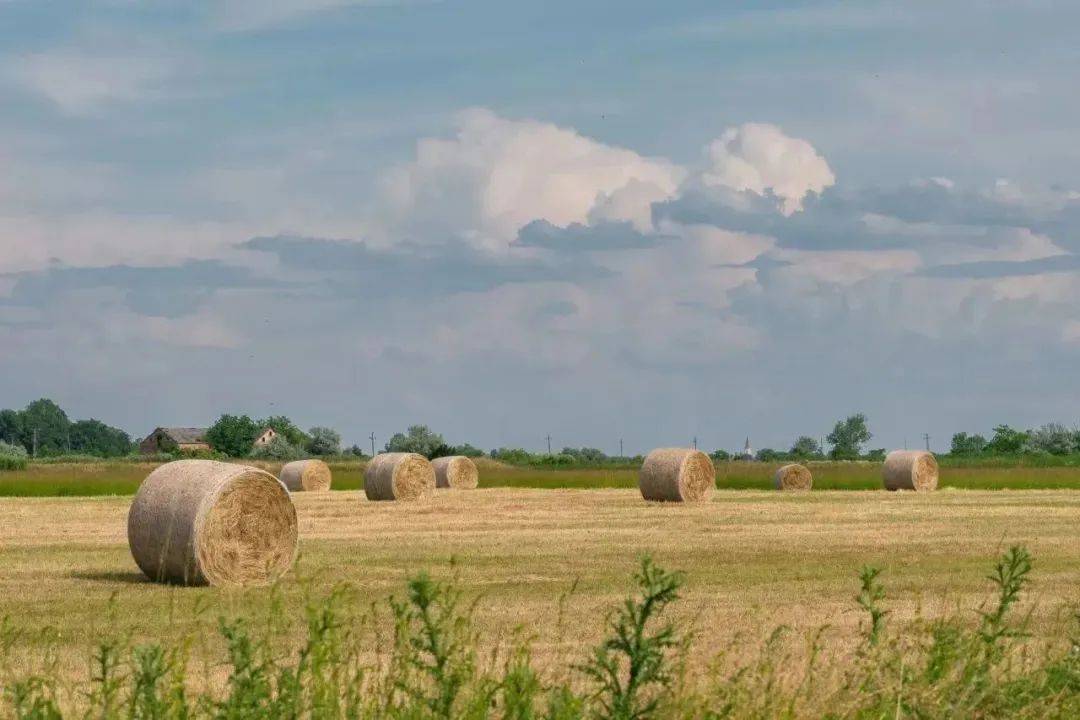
x: 421, y: 659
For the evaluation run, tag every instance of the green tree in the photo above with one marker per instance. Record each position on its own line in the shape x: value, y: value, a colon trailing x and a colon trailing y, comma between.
x: 964, y: 444
x: 284, y: 426
x: 720, y: 455
x: 1006, y: 440
x: 93, y: 437
x: 806, y: 447
x: 51, y: 425
x: 11, y: 427
x: 848, y: 437
x: 418, y: 439
x: 769, y: 455
x: 324, y: 441
x: 233, y: 435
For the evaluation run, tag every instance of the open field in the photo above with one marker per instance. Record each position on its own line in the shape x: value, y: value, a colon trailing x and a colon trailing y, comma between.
x: 753, y: 561
x: 123, y: 478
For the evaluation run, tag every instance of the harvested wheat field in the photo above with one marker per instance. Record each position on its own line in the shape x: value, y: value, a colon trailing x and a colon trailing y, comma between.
x: 753, y: 560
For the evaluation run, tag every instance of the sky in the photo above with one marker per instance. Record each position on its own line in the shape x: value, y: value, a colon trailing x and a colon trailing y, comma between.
x: 603, y: 221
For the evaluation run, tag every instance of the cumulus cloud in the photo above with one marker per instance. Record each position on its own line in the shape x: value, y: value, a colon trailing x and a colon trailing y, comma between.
x: 496, y: 175
x: 760, y: 157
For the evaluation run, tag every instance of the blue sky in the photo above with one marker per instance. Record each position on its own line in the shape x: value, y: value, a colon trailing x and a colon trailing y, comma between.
x: 648, y: 221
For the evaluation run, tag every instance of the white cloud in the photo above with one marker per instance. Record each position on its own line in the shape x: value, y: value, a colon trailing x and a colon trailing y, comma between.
x: 97, y: 239
x: 203, y: 330
x: 80, y: 83
x: 760, y: 157
x: 496, y: 175
x: 243, y: 15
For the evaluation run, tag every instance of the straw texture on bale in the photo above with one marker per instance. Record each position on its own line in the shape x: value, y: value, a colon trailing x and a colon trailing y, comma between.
x: 793, y: 477
x: 201, y: 522
x: 677, y: 475
x: 399, y: 476
x: 456, y: 471
x: 309, y: 475
x: 910, y: 470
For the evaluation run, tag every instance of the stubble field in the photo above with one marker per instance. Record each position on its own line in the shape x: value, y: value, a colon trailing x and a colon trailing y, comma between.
x: 549, y: 563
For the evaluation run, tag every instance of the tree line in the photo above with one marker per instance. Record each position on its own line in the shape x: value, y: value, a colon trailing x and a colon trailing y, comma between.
x: 1049, y: 439
x: 43, y: 429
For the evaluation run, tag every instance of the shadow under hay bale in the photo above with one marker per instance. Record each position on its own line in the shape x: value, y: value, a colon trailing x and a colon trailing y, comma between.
x: 677, y: 475
x: 910, y: 470
x: 306, y: 475
x: 455, y: 471
x: 794, y: 477
x: 399, y: 476
x: 202, y: 522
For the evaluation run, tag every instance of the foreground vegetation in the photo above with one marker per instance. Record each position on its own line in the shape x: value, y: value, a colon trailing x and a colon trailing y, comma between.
x: 421, y: 659
x: 93, y: 478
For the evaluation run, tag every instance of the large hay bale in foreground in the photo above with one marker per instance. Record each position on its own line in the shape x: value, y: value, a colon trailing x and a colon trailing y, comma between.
x: 199, y: 522
x: 455, y: 471
x: 309, y: 475
x: 399, y: 476
x: 677, y: 475
x: 910, y: 470
x: 793, y: 477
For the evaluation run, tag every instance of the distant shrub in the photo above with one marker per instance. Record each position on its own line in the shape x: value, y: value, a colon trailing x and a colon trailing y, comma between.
x: 419, y: 439
x: 770, y: 455
x: 1051, y: 438
x: 323, y: 441
x: 12, y: 456
x: 467, y: 450
x: 720, y: 455
x: 876, y: 455
x: 964, y: 444
x: 278, y: 449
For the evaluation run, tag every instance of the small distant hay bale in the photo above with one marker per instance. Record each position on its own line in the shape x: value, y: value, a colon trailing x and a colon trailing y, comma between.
x: 399, y: 476
x: 677, y: 475
x: 306, y: 475
x: 910, y: 470
x: 793, y: 477
x: 456, y: 471
x: 201, y: 522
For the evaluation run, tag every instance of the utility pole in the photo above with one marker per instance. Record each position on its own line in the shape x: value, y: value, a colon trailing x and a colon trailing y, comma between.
x: 620, y: 448
x: 549, y: 443
x: 926, y: 436
x: 905, y: 442
x: 695, y: 442
x: 372, y: 444
x: 35, y: 443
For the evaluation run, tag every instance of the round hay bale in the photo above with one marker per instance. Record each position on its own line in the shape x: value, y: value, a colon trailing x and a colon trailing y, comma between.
x: 456, y: 471
x: 910, y: 470
x: 677, y: 475
x: 201, y: 522
x: 309, y: 475
x: 793, y: 477
x: 398, y: 476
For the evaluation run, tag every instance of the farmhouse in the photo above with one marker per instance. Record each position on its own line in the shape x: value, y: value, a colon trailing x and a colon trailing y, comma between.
x: 171, y: 439
x: 264, y: 437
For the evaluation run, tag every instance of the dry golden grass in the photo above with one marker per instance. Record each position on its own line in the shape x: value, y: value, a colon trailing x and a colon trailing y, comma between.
x: 753, y: 560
